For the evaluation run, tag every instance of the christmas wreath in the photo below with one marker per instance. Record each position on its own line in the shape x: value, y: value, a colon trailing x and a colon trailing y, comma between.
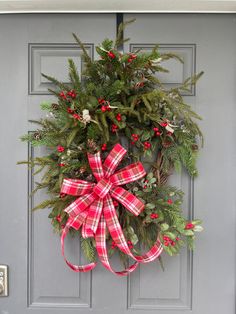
x: 115, y: 134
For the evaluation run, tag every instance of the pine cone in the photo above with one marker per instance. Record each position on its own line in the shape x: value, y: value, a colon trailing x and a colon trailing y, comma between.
x: 195, y: 147
x: 167, y: 143
x: 92, y: 145
x: 55, y: 106
x: 37, y: 135
x: 82, y: 170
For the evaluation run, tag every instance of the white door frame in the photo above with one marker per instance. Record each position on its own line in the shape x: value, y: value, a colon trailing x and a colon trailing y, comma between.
x: 112, y: 6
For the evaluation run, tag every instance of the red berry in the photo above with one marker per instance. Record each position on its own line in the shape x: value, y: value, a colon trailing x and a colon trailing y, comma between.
x: 130, y: 60
x: 60, y: 148
x: 76, y: 116
x: 104, y: 147
x: 113, y: 245
x: 69, y: 110
x: 118, y: 117
x: 58, y: 218
x: 135, y: 137
x: 189, y: 225
x: 61, y: 164
x: 114, y: 128
x: 147, y: 145
x: 155, y: 129
x: 130, y: 244
x: 164, y: 124
x: 62, y: 95
x: 111, y: 55
x: 154, y: 216
x: 158, y: 133
x: 72, y: 94
x: 170, y: 201
x: 108, y: 107
x: 133, y: 56
x: 168, y: 241
x: 115, y: 203
x: 101, y: 101
x: 104, y: 108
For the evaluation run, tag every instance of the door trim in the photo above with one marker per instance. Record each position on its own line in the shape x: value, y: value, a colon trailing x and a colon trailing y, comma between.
x: 112, y: 6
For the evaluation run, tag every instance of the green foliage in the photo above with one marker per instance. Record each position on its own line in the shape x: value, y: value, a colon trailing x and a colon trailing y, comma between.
x: 88, y: 248
x: 119, y: 97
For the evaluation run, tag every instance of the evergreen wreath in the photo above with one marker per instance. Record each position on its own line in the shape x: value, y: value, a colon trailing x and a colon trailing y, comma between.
x: 119, y: 99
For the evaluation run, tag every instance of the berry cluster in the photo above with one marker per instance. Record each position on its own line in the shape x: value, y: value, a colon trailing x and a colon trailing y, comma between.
x: 189, y: 226
x: 66, y: 96
x: 131, y: 57
x: 157, y: 131
x: 147, y: 145
x: 169, y: 242
x: 154, y: 216
x: 111, y: 55
x: 114, y: 128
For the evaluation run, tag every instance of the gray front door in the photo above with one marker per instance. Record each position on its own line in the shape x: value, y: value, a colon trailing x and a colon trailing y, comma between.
x: 39, y: 281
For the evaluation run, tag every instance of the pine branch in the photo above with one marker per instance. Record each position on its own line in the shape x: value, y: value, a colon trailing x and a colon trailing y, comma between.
x: 88, y: 249
x: 119, y: 38
x: 79, y: 42
x: 57, y: 83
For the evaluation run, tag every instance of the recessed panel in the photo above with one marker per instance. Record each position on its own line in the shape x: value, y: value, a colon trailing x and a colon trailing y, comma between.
x: 178, y: 72
x: 51, y: 283
x: 52, y: 60
x: 171, y: 289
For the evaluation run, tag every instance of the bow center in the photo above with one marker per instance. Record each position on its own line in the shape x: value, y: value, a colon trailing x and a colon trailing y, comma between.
x: 102, y: 187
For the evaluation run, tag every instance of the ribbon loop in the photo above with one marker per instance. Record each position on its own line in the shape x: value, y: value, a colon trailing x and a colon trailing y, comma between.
x: 95, y: 163
x: 76, y: 187
x: 128, y: 174
x: 128, y: 200
x: 113, y: 159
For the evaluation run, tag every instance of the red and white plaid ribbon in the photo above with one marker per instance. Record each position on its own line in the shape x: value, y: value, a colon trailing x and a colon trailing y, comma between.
x: 94, y: 210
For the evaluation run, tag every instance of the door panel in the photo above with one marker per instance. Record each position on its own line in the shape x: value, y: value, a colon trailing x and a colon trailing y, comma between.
x: 40, y: 281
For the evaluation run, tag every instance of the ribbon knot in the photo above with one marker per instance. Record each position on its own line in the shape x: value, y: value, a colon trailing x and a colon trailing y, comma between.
x: 94, y: 209
x: 102, y: 188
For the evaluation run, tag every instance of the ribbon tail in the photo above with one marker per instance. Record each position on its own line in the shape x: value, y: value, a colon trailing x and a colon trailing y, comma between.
x: 117, y: 235
x: 91, y: 223
x: 76, y: 268
x: 100, y: 238
x: 128, y: 200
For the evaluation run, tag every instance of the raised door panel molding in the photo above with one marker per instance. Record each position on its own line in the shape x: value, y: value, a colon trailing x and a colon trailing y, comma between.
x: 51, y: 283
x: 154, y: 289
x: 52, y: 60
x: 178, y: 72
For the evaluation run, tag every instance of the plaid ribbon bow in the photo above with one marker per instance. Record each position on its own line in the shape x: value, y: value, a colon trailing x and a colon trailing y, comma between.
x: 94, y: 209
